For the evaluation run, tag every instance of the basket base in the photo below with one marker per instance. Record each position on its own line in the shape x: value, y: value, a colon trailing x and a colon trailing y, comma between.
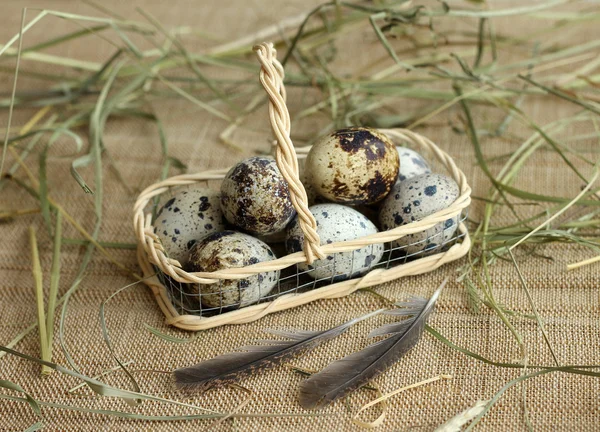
x: 287, y: 301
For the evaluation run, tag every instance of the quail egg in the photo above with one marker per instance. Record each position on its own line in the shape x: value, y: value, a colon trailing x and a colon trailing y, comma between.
x: 353, y: 166
x: 186, y: 217
x: 311, y: 194
x: 412, y: 164
x: 414, y: 199
x: 255, y: 196
x: 229, y: 249
x: 337, y: 223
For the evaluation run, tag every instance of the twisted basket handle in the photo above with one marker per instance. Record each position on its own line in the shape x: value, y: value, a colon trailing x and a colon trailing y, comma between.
x: 271, y: 78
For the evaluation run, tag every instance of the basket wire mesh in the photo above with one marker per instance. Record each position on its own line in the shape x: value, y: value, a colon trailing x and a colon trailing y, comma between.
x: 188, y: 298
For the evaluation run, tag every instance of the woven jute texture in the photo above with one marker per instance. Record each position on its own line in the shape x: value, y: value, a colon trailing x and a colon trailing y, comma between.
x: 568, y: 301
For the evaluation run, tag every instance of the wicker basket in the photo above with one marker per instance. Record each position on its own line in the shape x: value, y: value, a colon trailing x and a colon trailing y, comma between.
x: 167, y: 279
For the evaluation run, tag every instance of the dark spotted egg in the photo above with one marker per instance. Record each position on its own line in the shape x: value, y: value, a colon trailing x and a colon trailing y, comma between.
x: 255, y: 196
x: 337, y: 223
x: 186, y: 217
x: 353, y: 166
x: 412, y: 200
x: 412, y: 164
x: 230, y: 249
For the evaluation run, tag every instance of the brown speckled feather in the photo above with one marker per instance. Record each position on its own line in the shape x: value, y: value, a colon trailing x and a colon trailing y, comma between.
x: 232, y: 367
x: 343, y: 376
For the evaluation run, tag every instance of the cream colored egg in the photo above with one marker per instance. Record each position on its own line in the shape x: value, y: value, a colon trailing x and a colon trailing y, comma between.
x: 306, y: 180
x: 230, y: 249
x: 353, y: 166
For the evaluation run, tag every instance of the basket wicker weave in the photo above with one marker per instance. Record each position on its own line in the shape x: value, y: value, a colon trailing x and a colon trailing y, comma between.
x: 165, y: 276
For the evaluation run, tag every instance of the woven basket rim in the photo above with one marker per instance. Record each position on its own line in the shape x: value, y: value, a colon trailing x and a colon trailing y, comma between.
x: 152, y: 246
x: 291, y: 300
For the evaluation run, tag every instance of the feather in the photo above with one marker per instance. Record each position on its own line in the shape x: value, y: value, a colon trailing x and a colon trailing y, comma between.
x: 355, y: 370
x: 250, y: 359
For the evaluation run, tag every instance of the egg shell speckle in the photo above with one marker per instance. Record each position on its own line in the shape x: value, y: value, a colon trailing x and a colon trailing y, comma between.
x: 185, y: 218
x: 230, y: 249
x: 255, y: 196
x: 412, y: 200
x: 336, y: 223
x: 412, y: 164
x: 353, y: 166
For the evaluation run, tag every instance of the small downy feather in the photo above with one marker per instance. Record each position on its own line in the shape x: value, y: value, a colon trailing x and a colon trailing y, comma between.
x: 248, y: 360
x: 343, y: 376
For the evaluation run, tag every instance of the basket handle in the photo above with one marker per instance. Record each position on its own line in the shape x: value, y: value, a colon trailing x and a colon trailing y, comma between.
x: 271, y: 78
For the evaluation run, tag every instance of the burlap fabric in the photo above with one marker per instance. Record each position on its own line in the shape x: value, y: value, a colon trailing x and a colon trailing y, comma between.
x: 568, y: 301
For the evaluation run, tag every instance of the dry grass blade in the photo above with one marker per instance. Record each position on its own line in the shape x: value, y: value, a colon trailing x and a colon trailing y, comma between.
x: 386, y: 396
x: 170, y: 338
x: 6, y: 216
x: 455, y: 424
x: 34, y: 404
x: 234, y: 411
x: 90, y: 237
x: 533, y: 307
x: 157, y: 418
x: 101, y: 388
x: 74, y: 389
x: 583, y: 263
x: 560, y: 212
x: 562, y: 95
x: 575, y: 369
x: 108, y: 342
x: 39, y: 297
x: 14, y: 91
x: 54, y: 282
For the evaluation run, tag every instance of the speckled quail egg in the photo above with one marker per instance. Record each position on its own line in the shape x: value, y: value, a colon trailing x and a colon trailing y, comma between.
x: 336, y: 223
x: 255, y: 196
x: 189, y: 215
x: 412, y: 164
x: 230, y: 249
x: 353, y: 166
x: 414, y: 199
x: 306, y: 180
